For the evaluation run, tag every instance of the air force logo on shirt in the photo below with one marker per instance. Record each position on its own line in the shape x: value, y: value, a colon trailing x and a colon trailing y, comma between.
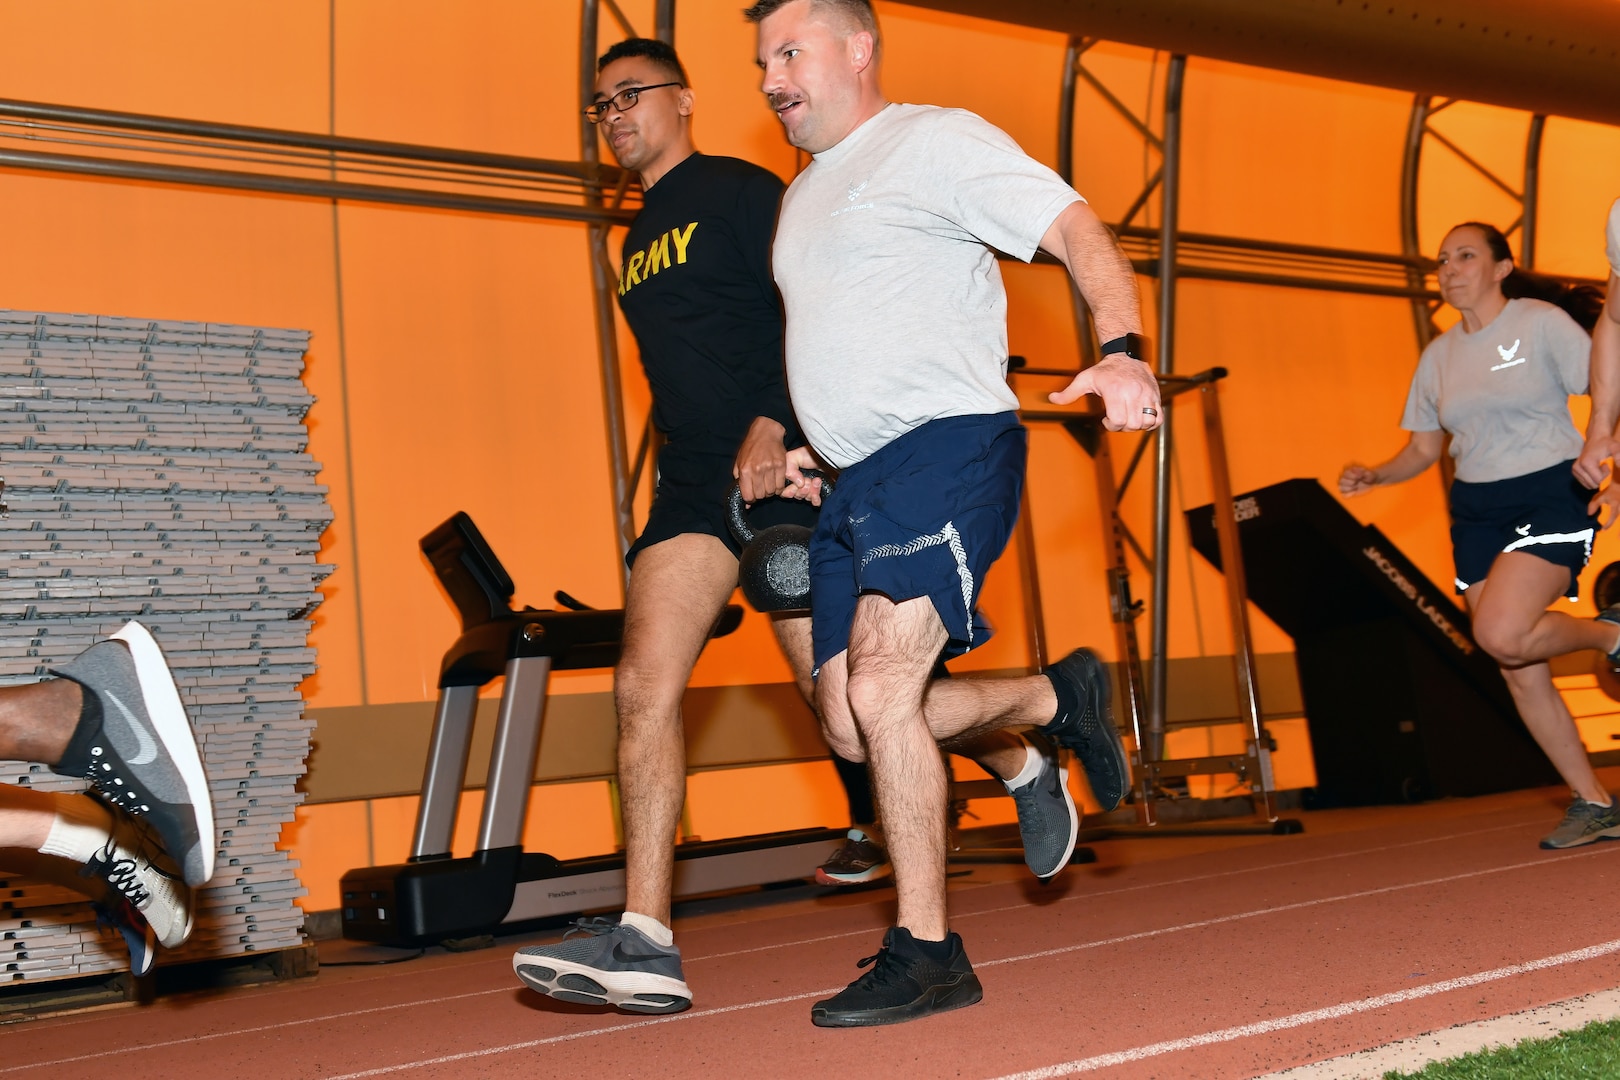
x: 1509, y: 357
x: 855, y: 191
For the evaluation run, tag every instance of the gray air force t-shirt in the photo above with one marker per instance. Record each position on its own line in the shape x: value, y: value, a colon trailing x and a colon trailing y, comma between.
x: 896, y: 314
x: 1503, y: 391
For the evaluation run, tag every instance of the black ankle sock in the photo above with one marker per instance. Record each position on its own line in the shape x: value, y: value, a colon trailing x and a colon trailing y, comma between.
x: 75, y: 759
x: 937, y: 951
x: 1068, y: 702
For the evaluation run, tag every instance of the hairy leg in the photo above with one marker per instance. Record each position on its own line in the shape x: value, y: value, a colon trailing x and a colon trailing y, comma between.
x: 677, y: 590
x: 1509, y: 610
x: 793, y: 635
x: 965, y: 716
x: 970, y: 717
x: 889, y: 664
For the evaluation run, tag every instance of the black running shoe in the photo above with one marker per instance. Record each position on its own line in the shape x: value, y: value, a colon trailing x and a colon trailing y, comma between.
x: 140, y: 752
x: 901, y: 985
x: 1089, y: 730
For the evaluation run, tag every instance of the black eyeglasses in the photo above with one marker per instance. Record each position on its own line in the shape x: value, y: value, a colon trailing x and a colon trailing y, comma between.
x: 623, y: 101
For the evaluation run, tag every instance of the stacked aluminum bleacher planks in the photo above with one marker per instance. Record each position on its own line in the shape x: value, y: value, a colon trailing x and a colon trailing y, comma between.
x: 156, y: 471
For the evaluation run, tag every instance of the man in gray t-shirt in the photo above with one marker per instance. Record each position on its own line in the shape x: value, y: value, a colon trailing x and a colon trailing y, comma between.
x: 896, y: 362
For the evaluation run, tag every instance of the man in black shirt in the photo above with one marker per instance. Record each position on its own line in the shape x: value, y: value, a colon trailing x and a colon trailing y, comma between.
x: 695, y: 286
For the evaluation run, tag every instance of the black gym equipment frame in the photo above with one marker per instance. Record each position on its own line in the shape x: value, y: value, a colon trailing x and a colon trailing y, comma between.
x: 434, y: 896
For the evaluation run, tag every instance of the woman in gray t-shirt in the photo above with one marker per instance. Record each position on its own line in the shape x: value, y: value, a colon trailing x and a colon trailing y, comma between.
x: 1499, y: 382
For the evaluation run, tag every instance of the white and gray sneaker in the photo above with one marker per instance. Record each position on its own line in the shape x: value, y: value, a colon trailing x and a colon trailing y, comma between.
x: 135, y: 743
x: 135, y: 868
x: 1047, y: 819
x: 602, y: 962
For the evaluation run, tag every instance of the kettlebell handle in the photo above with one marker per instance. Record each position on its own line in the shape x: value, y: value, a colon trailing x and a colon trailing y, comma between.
x: 736, y: 512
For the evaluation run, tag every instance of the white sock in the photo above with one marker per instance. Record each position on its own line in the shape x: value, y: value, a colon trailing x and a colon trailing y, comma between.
x: 655, y: 931
x: 81, y: 829
x: 1031, y: 769
x: 872, y: 833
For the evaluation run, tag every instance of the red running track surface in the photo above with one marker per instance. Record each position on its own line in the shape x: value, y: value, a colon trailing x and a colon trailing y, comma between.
x: 1212, y: 957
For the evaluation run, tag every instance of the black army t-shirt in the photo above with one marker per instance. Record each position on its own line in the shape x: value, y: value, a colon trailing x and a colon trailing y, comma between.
x: 695, y: 286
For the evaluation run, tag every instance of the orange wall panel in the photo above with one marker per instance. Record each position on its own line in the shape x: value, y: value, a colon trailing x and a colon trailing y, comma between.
x: 468, y: 349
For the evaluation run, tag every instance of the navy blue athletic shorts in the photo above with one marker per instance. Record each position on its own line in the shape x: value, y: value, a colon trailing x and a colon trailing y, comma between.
x: 1541, y: 513
x: 694, y: 484
x: 926, y: 515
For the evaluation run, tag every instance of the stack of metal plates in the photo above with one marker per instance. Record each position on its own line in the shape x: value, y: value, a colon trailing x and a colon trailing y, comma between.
x: 157, y: 471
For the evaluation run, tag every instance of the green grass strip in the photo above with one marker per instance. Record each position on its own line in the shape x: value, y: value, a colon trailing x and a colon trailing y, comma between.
x: 1591, y: 1053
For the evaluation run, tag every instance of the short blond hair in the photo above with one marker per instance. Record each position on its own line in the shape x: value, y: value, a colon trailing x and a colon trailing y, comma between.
x: 858, y: 12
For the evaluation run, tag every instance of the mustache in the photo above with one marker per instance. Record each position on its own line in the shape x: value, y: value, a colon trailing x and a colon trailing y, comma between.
x: 777, y: 101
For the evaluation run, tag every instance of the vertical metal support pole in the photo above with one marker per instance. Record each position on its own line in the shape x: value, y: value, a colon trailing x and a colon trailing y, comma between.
x: 445, y: 772
x: 1237, y: 601
x: 1411, y: 244
x: 664, y: 21
x: 602, y: 292
x: 1153, y: 748
x: 1034, y: 614
x: 1532, y: 191
x: 1083, y: 331
x: 1123, y: 611
x: 1065, y: 141
x: 511, y: 760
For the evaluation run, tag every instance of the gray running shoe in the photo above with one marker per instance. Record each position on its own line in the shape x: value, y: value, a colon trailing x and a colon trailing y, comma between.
x: 133, y: 865
x: 857, y: 860
x: 137, y: 745
x: 607, y: 964
x: 1584, y: 823
x: 1047, y: 818
x: 1088, y: 730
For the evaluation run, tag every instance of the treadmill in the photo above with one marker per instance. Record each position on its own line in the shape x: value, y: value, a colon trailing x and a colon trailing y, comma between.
x: 433, y: 896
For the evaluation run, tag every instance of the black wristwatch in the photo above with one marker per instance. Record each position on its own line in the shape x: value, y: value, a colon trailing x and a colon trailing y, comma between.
x: 1134, y: 346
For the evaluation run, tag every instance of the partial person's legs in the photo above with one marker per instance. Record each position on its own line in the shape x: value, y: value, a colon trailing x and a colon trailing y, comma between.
x: 1518, y: 629
x: 113, y: 860
x: 881, y: 679
x: 1512, y: 624
x: 888, y: 667
x: 115, y: 717
x: 36, y: 719
x: 861, y: 857
x: 678, y: 588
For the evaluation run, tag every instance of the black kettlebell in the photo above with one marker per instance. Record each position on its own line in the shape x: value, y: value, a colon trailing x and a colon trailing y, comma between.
x: 775, y: 566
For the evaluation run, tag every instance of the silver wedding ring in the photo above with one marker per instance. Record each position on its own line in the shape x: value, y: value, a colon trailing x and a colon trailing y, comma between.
x: 1151, y: 412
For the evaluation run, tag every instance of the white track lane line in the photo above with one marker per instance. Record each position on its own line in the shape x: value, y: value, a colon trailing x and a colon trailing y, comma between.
x: 635, y: 1025
x: 1299, y: 905
x: 1314, y: 1016
x: 252, y: 1030
x: 1551, y: 861
x: 1169, y: 883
